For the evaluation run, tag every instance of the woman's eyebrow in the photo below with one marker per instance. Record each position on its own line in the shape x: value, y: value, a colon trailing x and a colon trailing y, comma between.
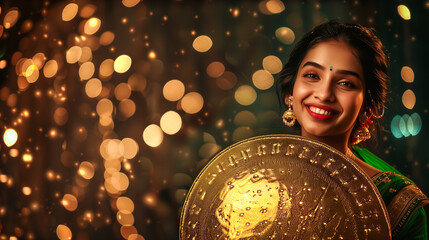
x: 341, y: 71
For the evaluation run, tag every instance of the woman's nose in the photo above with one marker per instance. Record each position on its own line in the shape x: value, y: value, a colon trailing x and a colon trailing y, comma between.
x: 324, y: 91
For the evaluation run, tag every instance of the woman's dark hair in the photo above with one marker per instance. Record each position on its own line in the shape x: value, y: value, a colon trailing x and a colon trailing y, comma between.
x: 370, y: 52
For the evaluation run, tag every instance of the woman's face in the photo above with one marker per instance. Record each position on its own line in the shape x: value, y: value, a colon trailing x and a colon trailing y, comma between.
x: 329, y: 91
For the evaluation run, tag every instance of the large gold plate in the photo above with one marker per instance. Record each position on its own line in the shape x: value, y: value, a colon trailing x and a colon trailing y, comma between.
x: 283, y: 187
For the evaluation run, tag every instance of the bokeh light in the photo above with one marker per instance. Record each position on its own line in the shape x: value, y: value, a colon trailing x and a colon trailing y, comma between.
x: 122, y: 64
x: 407, y: 74
x: 272, y: 64
x: 153, y: 135
x: 92, y: 26
x: 285, y: 35
x: 192, y: 102
x: 130, y: 3
x: 404, y: 12
x: 130, y: 148
x: 10, y: 137
x: 409, y: 99
x: 69, y: 11
x: 173, y: 90
x: 171, y: 122
x: 50, y: 68
x: 202, y: 43
x: 215, y: 69
x: 93, y: 87
x: 227, y: 80
x: 245, y: 95
x: 262, y: 79
x: 86, y: 170
x: 69, y: 202
x: 403, y: 126
x: 10, y: 18
x: 414, y: 124
x: 63, y: 232
x: 125, y: 204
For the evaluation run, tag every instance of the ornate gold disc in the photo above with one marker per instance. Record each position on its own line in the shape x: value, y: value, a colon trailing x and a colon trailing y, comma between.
x: 283, y: 187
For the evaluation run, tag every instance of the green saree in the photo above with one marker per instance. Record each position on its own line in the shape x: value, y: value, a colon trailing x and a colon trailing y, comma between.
x: 403, y: 199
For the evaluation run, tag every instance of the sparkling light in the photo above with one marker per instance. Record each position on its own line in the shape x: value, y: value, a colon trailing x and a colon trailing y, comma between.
x: 10, y: 18
x: 125, y: 218
x: 171, y: 122
x: 10, y: 137
x: 92, y: 26
x: 153, y: 135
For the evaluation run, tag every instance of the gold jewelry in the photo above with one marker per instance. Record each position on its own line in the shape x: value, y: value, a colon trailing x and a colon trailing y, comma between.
x: 288, y: 117
x: 362, y: 132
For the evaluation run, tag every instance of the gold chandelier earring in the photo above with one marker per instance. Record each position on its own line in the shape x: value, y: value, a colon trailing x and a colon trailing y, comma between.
x: 288, y: 117
x: 362, y: 132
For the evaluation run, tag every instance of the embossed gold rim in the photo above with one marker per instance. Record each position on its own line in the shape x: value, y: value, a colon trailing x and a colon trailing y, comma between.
x: 282, y: 137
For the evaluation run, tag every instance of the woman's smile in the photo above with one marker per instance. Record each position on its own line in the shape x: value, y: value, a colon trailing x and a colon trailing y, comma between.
x: 320, y: 112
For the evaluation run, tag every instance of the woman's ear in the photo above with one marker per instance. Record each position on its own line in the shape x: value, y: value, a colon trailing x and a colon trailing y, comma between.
x: 286, y: 99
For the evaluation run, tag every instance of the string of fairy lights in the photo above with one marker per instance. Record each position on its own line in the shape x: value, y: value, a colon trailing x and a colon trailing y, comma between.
x: 108, y: 86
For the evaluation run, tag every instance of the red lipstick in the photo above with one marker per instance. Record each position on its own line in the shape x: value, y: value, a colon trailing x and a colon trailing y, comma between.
x: 327, y: 111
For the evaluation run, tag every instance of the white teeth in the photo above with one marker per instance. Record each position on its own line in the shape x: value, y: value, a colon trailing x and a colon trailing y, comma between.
x: 319, y: 111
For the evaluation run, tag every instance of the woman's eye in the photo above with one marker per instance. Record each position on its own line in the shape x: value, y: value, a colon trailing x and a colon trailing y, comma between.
x: 311, y: 75
x: 347, y: 84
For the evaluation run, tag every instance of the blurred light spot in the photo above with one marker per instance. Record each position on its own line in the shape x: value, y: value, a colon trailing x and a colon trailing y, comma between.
x: 107, y: 38
x: 173, y: 90
x: 152, y: 55
x: 262, y: 79
x: 126, y: 231
x: 122, y: 64
x: 409, y: 99
x: 26, y: 191
x: 73, y: 54
x: 137, y: 82
x: 86, y: 54
x: 202, y: 43
x: 87, y: 11
x: 192, y: 102
x: 61, y: 116
x: 10, y: 18
x: 275, y: 6
x: 86, y: 170
x: 120, y: 181
x: 3, y: 63
x: 122, y: 91
x: 106, y: 68
x: 131, y: 148
x: 135, y: 237
x: 171, y: 122
x: 130, y: 3
x: 125, y: 218
x: 69, y: 202
x: 153, y: 135
x: 10, y: 137
x: 104, y: 107
x: 245, y: 95
x: 50, y: 69
x: 93, y: 88
x: 227, y: 80
x: 272, y: 64
x: 22, y: 82
x: 245, y: 118
x: 407, y: 74
x: 63, y: 232
x: 285, y: 35
x: 70, y: 11
x: 414, y: 124
x: 207, y: 150
x: 242, y: 133
x: 13, y: 152
x: 125, y: 204
x: 404, y: 12
x: 27, y: 157
x: 86, y: 70
x: 403, y: 125
x: 215, y: 69
x: 180, y: 195
x: 92, y: 26
x: 127, y: 108
x: 39, y: 60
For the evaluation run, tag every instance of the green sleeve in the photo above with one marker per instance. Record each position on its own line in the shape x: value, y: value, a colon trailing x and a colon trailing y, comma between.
x: 416, y: 227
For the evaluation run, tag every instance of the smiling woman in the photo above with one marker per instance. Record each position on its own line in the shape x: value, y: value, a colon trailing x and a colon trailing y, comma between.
x: 334, y: 84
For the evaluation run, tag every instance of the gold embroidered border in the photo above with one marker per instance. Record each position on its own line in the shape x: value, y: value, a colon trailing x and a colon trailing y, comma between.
x: 403, y: 205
